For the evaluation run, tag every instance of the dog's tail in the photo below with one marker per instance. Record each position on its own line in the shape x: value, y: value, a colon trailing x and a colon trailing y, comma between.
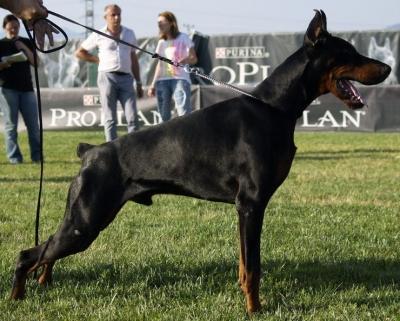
x: 83, y: 148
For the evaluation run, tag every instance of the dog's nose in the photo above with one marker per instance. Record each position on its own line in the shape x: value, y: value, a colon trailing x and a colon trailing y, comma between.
x: 382, y: 71
x: 386, y: 70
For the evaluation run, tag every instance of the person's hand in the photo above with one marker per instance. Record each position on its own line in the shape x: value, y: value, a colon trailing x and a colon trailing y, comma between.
x: 5, y: 65
x: 139, y: 90
x: 26, y: 9
x: 151, y: 92
x: 20, y: 45
x: 30, y: 11
x: 183, y: 61
x: 42, y: 29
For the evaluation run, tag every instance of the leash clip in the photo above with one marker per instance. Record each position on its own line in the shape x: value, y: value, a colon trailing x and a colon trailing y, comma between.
x: 191, y: 70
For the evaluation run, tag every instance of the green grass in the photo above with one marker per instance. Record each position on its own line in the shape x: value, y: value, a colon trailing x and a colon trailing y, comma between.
x: 330, y: 244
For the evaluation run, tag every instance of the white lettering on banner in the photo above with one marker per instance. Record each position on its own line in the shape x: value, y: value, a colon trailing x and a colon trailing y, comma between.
x: 328, y: 120
x: 316, y: 101
x: 228, y: 69
x: 240, y: 52
x: 156, y: 118
x: 62, y: 118
x: 242, y: 70
x: 245, y: 69
x: 355, y: 121
x: 56, y: 114
x: 74, y: 118
x: 88, y: 118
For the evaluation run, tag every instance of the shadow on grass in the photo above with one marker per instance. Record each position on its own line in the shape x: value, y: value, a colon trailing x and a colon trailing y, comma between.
x: 369, y: 273
x: 155, y: 275
x: 289, y: 279
x: 343, y: 154
x: 284, y: 280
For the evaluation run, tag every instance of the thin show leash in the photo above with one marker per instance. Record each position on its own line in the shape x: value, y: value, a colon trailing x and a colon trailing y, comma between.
x: 186, y: 67
x: 192, y: 70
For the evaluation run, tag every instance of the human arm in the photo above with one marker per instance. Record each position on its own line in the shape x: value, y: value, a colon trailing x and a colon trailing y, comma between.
x: 4, y: 65
x: 136, y: 74
x: 89, y: 44
x: 83, y: 54
x: 152, y: 91
x: 191, y: 59
x: 26, y: 50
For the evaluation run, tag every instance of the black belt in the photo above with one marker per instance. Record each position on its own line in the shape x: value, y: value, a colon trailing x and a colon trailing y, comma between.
x: 119, y: 73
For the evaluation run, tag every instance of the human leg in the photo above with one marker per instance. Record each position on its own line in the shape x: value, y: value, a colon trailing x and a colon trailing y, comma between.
x: 108, y: 99
x: 126, y: 96
x: 10, y: 115
x: 28, y: 109
x: 164, y: 99
x: 182, y: 97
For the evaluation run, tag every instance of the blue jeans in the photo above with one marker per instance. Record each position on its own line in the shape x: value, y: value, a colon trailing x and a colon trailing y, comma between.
x: 24, y: 102
x: 179, y: 90
x: 113, y: 88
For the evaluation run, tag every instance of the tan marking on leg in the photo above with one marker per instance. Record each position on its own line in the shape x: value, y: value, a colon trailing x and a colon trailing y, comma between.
x: 252, y: 289
x: 242, y: 273
x: 45, y: 277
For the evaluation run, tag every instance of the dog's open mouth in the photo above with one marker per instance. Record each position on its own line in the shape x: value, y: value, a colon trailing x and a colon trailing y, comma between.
x: 349, y: 93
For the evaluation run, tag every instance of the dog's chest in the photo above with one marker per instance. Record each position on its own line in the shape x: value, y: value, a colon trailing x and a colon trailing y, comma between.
x: 283, y: 165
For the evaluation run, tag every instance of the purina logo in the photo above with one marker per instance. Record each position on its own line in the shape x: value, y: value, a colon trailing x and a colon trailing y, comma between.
x: 240, y: 52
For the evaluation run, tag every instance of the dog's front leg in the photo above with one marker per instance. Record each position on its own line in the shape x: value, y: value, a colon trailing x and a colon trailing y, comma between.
x: 250, y: 225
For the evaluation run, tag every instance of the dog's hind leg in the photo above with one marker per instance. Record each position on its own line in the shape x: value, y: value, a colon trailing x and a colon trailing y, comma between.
x: 27, y: 262
x: 91, y: 206
x: 65, y: 242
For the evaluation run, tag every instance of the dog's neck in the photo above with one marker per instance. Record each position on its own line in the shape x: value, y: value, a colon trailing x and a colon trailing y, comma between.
x: 286, y: 88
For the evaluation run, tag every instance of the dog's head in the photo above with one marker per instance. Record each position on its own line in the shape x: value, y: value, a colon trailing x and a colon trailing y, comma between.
x: 339, y: 63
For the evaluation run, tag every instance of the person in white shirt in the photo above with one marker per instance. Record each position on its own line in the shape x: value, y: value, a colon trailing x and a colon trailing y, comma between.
x: 117, y: 66
x: 170, y: 81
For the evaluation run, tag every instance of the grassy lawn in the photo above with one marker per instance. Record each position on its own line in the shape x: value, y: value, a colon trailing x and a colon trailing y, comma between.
x: 330, y: 244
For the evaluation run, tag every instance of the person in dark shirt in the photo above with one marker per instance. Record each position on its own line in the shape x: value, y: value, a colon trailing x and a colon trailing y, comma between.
x: 17, y: 89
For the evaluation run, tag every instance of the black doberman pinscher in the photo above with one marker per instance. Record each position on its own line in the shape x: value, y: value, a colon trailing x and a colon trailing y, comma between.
x: 238, y: 151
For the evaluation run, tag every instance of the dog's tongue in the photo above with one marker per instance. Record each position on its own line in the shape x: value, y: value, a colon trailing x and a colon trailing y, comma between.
x: 352, y: 91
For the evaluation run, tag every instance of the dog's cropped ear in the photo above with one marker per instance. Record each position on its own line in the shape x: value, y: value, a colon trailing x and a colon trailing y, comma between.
x: 82, y: 149
x: 316, y: 29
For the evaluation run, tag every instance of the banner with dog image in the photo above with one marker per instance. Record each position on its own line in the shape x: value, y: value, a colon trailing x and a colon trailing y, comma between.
x: 244, y: 60
x: 248, y: 59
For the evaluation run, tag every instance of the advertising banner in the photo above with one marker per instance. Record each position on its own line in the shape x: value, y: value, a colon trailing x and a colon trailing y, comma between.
x: 249, y: 58
x: 243, y: 60
x: 79, y: 108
